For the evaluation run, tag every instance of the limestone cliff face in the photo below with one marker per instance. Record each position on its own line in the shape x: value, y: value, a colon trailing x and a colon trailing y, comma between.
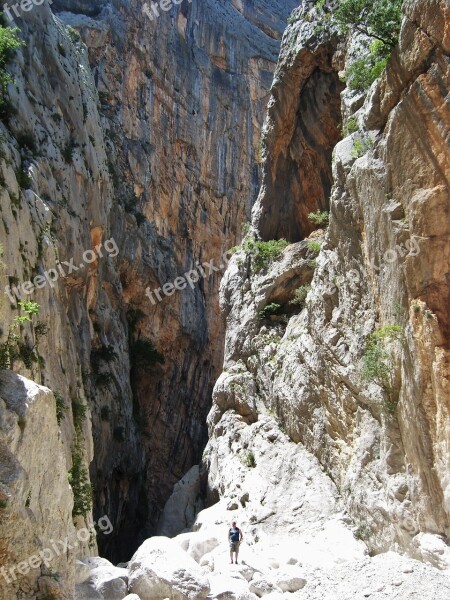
x: 147, y: 137
x: 383, y: 261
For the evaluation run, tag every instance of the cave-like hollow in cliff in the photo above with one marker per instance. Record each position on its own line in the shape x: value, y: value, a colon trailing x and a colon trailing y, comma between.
x: 298, y: 177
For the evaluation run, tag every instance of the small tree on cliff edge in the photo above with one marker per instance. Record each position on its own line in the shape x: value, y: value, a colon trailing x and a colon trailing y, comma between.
x: 378, y: 19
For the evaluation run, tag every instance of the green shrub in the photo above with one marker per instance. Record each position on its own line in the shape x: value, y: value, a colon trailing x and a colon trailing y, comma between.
x: 314, y: 246
x: 246, y: 228
x: 73, y: 34
x: 144, y: 354
x: 319, y: 218
x: 378, y: 19
x: 363, y: 532
x: 61, y: 407
x: 300, y: 295
x: 15, y: 346
x: 377, y: 360
x: 375, y: 364
x: 9, y: 44
x: 264, y: 253
x: 250, y: 460
x: 362, y: 72
x: 79, y: 414
x: 350, y: 126
x: 270, y: 309
x: 361, y: 147
x: 27, y: 354
x: 79, y: 480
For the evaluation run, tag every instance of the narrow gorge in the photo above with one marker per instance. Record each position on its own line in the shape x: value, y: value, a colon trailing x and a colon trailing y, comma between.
x: 225, y: 262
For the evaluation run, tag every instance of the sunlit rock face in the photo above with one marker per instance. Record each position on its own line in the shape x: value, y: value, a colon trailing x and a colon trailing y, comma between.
x: 382, y: 261
x: 148, y: 137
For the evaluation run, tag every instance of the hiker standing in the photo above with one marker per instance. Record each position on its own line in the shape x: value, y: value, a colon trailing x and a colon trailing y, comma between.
x: 235, y: 538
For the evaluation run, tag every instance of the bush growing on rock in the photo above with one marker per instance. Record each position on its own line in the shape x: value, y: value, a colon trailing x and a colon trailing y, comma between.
x: 16, y: 347
x: 376, y: 20
x: 300, y: 295
x: 319, y: 218
x: 264, y: 253
x: 271, y: 309
x: 81, y: 488
x: 61, y: 407
x: 377, y: 360
x: 9, y: 44
x: 314, y: 246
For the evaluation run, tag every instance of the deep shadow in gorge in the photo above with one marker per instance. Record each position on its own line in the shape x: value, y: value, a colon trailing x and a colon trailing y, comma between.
x: 181, y: 102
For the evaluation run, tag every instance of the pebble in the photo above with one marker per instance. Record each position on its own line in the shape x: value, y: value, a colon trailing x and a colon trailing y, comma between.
x: 408, y: 570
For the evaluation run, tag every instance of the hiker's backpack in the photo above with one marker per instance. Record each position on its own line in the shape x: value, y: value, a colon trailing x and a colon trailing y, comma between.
x: 235, y: 534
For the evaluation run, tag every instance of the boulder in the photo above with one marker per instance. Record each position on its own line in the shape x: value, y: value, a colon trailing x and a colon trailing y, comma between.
x: 261, y: 586
x: 96, y: 577
x: 227, y: 587
x: 289, y: 579
x: 110, y: 582
x: 432, y: 549
x: 82, y: 571
x: 87, y: 591
x: 182, y: 506
x: 197, y: 544
x: 161, y: 569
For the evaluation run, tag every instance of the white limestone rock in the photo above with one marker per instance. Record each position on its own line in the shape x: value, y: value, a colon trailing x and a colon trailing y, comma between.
x: 197, y: 544
x: 110, y: 582
x: 431, y: 549
x: 161, y: 569
x: 262, y: 586
x: 33, y: 482
x: 182, y: 506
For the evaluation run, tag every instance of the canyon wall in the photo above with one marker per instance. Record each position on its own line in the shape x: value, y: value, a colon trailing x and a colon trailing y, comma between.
x: 136, y: 141
x: 375, y: 284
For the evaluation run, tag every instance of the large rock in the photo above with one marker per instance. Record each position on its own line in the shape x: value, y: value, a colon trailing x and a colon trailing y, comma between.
x: 36, y: 499
x: 182, y: 506
x: 161, y: 569
x: 197, y: 544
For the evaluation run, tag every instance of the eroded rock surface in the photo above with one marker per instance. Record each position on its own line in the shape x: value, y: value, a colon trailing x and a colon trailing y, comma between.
x: 147, y: 136
x: 382, y: 262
